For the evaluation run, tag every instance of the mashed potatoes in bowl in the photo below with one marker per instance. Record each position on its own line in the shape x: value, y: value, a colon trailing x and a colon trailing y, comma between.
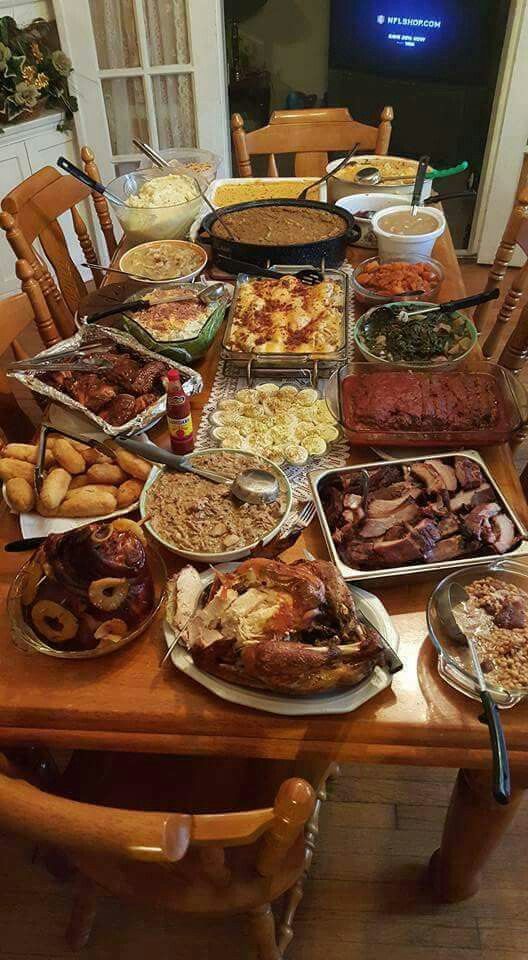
x: 157, y: 206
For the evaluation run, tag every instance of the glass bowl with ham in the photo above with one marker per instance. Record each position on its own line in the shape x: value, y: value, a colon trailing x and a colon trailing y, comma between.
x: 376, y: 281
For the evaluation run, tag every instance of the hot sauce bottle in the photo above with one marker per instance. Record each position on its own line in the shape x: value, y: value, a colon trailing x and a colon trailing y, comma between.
x: 179, y: 418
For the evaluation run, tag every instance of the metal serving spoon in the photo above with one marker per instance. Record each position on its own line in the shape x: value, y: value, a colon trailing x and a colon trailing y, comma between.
x: 501, y: 768
x: 160, y: 161
x: 371, y: 176
x: 249, y: 486
x: 332, y: 173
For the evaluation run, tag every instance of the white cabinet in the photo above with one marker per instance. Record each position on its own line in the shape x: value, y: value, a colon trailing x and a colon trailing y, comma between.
x: 24, y: 149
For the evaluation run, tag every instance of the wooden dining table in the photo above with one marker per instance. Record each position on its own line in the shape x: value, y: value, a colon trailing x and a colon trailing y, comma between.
x: 125, y: 702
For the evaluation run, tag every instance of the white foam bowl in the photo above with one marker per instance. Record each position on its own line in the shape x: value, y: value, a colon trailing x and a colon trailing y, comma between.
x: 403, y: 245
x: 369, y: 201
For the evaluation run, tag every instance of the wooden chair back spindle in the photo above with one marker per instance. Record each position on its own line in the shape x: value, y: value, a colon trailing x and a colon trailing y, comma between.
x: 25, y: 251
x: 293, y: 807
x: 310, y: 135
x: 516, y: 233
x: 101, y: 206
x: 34, y: 207
x: 18, y: 314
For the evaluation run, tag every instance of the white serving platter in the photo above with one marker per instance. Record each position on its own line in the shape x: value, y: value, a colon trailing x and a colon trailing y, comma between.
x: 344, y: 701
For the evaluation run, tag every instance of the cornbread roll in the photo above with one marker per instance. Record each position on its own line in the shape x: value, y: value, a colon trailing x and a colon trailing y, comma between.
x: 131, y: 464
x: 106, y: 473
x: 54, y: 488
x: 91, y: 455
x: 42, y: 510
x: 68, y: 457
x: 81, y: 480
x: 129, y: 492
x: 21, y: 451
x: 20, y: 495
x: 9, y: 467
x: 87, y: 503
x: 93, y: 488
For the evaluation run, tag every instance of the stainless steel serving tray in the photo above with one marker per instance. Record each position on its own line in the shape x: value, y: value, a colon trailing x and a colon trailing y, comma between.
x: 287, y: 363
x: 351, y: 573
x: 191, y: 380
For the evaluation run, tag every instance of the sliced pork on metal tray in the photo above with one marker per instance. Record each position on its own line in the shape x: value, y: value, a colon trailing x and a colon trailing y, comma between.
x: 425, y: 511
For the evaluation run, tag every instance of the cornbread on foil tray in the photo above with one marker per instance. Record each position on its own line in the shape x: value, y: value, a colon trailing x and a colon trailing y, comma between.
x: 287, y: 316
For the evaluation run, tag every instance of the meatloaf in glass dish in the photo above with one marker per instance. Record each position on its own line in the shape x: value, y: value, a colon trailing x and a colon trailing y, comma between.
x: 477, y: 404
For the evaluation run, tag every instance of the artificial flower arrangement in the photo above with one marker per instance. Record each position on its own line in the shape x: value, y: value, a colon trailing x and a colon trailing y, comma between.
x: 33, y: 72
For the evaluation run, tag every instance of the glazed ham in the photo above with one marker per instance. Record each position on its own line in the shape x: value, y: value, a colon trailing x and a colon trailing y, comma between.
x: 408, y: 401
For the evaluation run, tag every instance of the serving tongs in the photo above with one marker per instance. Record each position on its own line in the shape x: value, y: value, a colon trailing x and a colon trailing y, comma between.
x: 48, y: 428
x: 458, y: 596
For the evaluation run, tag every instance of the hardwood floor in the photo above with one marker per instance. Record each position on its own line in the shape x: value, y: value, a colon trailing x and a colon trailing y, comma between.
x: 367, y: 893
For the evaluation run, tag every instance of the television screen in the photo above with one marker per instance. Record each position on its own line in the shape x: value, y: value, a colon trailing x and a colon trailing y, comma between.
x: 448, y: 40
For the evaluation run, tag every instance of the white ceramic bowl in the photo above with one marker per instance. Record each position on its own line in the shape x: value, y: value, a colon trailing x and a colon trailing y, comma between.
x: 338, y: 188
x: 369, y: 201
x: 398, y: 245
x: 179, y: 277
x: 227, y: 555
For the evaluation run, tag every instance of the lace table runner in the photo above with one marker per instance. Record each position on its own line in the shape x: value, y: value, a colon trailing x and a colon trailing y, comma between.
x: 228, y: 380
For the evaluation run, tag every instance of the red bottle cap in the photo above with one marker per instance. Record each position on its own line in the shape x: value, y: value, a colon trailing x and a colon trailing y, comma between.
x: 173, y: 375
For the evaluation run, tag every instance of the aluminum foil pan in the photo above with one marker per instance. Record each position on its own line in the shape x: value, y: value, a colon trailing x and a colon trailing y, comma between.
x: 191, y: 380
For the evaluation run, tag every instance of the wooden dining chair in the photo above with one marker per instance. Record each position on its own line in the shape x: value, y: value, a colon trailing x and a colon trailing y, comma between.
x: 310, y: 135
x: 18, y: 314
x: 198, y: 863
x: 515, y: 234
x: 30, y: 214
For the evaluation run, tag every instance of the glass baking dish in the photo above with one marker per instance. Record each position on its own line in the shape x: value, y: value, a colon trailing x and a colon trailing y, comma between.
x: 292, y: 361
x: 189, y: 349
x: 511, y: 399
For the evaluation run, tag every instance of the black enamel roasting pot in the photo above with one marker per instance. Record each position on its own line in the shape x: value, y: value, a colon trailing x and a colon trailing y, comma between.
x: 332, y: 250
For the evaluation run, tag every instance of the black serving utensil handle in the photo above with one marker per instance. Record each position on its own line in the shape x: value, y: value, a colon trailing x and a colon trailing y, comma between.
x: 20, y: 546
x: 118, y: 308
x: 423, y: 163
x: 470, y: 301
x: 501, y: 765
x: 79, y: 174
x: 242, y: 266
x: 440, y: 197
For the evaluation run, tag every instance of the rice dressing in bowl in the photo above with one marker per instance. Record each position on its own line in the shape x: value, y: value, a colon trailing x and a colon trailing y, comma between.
x: 403, y: 223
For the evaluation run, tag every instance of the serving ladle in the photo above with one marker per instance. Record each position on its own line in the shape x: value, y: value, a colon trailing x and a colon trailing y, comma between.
x: 332, y: 173
x: 163, y: 164
x: 249, y: 486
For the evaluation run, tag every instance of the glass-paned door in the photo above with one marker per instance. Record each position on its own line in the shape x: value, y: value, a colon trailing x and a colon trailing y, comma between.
x: 153, y: 69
